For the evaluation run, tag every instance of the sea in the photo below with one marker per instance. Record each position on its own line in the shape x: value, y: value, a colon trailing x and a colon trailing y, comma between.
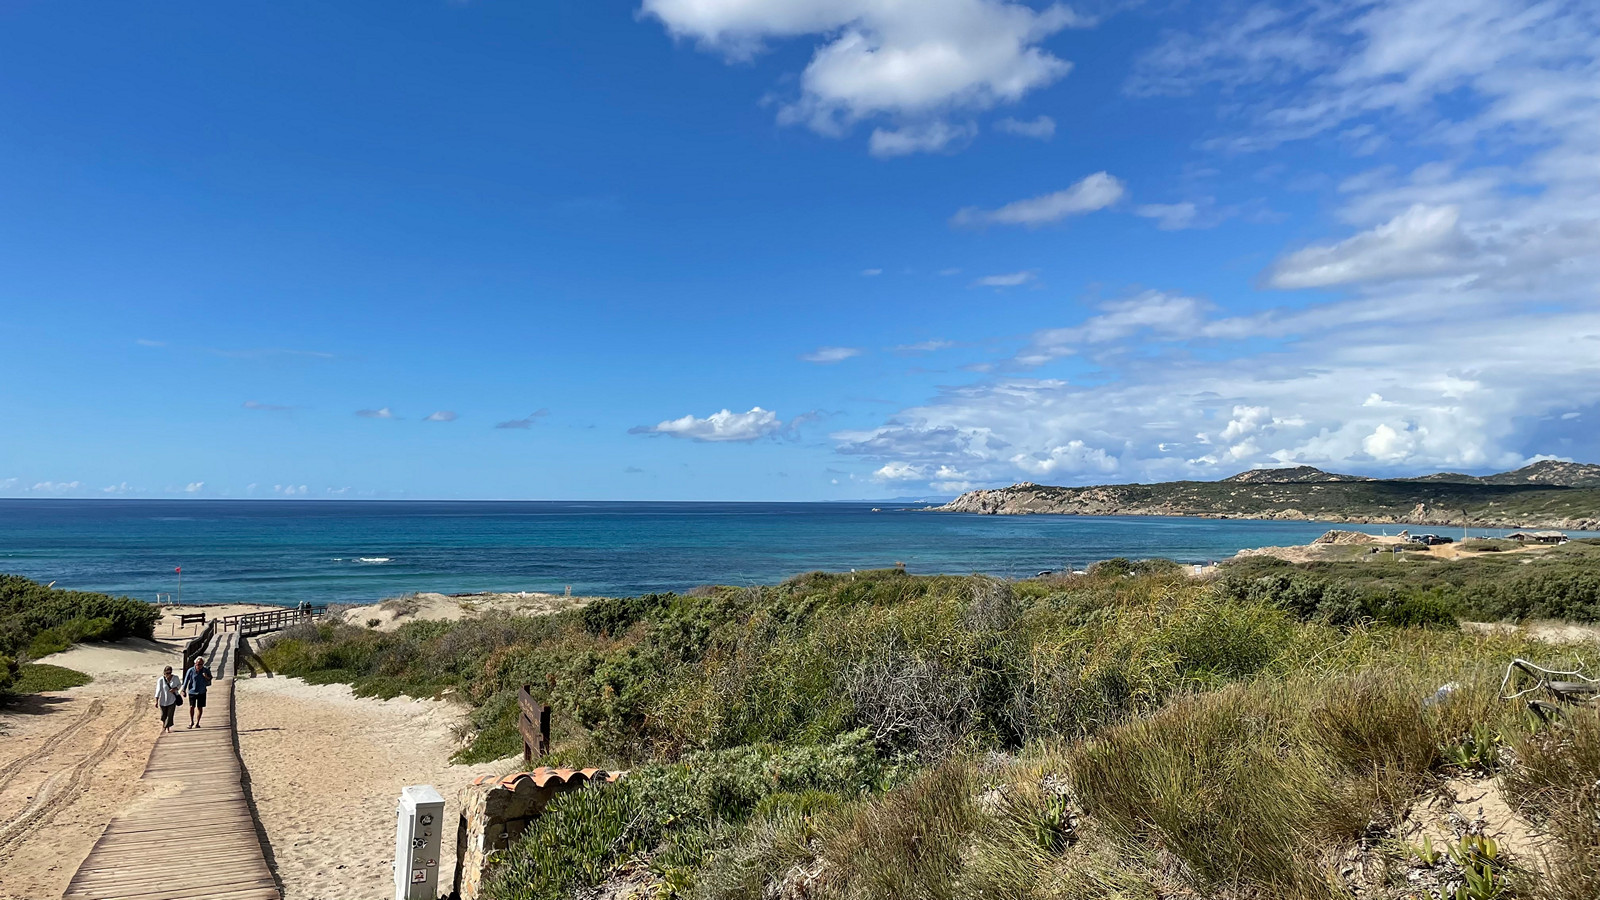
x: 286, y: 552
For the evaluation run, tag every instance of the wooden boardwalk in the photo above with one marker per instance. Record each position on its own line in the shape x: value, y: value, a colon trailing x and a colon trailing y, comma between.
x: 193, y: 836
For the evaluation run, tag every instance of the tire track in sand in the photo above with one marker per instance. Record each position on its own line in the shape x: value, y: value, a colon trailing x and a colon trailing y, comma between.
x: 51, y: 743
x: 45, y: 808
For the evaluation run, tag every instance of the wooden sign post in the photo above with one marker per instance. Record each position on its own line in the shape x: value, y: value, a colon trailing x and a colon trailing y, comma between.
x: 534, y: 724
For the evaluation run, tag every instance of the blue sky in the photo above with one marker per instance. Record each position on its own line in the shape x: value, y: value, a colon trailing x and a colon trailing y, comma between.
x: 789, y: 249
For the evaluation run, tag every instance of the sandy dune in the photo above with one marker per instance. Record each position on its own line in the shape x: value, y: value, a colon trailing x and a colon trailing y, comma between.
x: 429, y: 607
x: 69, y: 760
x: 326, y: 769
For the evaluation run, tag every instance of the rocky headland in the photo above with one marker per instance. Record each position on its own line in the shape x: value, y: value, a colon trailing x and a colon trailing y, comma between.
x: 1548, y: 494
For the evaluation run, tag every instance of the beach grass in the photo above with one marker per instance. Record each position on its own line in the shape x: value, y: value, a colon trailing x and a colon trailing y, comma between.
x: 1130, y: 733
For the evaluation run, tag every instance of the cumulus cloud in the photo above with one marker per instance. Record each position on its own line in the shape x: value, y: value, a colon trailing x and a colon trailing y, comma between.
x: 1286, y: 388
x: 826, y: 355
x: 1094, y: 192
x: 913, y: 65
x: 122, y: 488
x: 525, y: 422
x: 194, y: 487
x: 383, y: 413
x: 291, y: 490
x: 56, y: 487
x: 443, y: 415
x: 723, y: 426
x: 1009, y: 279
x: 1040, y: 129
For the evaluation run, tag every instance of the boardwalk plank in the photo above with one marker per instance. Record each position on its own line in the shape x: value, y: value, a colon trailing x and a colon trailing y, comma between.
x: 198, y: 773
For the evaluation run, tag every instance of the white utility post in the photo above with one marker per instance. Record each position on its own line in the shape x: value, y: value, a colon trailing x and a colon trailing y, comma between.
x: 416, y: 843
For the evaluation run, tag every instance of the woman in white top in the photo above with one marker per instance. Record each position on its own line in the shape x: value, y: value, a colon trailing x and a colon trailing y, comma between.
x: 168, y: 697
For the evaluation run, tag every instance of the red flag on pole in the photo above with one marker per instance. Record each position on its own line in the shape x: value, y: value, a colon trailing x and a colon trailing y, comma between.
x: 178, y: 569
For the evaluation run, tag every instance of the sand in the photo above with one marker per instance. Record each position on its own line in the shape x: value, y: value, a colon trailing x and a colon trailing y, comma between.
x: 69, y: 760
x: 326, y: 769
x: 430, y: 607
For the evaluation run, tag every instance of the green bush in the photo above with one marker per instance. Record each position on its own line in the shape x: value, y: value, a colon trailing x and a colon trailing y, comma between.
x: 36, y: 620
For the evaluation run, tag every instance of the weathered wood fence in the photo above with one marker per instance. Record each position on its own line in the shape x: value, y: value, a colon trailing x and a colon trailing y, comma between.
x: 198, y: 645
x: 248, y: 624
x: 534, y: 724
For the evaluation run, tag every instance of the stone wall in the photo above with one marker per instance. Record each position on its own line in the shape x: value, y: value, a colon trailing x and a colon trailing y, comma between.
x: 495, y: 812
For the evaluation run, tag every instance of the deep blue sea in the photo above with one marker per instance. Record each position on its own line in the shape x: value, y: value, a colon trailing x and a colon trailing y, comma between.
x: 332, y: 551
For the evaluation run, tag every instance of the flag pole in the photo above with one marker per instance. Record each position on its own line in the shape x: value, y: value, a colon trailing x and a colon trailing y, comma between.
x: 180, y: 585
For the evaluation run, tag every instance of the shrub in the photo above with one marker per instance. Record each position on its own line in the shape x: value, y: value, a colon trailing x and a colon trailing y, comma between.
x: 29, y: 609
x: 35, y: 678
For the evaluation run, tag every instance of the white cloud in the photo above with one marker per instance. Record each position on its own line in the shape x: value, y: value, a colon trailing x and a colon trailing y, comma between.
x: 912, y: 64
x: 290, y: 490
x: 443, y: 415
x: 1169, y: 216
x: 718, y: 427
x: 383, y: 413
x: 871, y: 273
x: 924, y: 346
x: 1285, y: 388
x: 56, y: 487
x: 1095, y: 192
x: 827, y: 355
x: 1042, y: 128
x: 1009, y: 279
x: 922, y: 137
x: 1072, y: 458
x: 899, y: 471
x: 194, y: 487
x: 264, y: 407
x: 123, y: 488
x: 1421, y: 241
x: 1151, y: 314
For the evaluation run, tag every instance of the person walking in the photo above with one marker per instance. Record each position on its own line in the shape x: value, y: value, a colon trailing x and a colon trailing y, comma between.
x: 168, y: 697
x: 195, y: 682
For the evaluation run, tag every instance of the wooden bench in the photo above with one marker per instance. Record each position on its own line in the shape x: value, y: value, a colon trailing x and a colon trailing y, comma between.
x: 187, y: 619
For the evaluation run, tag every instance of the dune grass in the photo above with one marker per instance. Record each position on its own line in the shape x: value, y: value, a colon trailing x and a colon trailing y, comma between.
x: 1132, y: 733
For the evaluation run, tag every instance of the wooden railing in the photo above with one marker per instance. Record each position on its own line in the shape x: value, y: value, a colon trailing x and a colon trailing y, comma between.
x: 248, y: 624
x: 198, y: 645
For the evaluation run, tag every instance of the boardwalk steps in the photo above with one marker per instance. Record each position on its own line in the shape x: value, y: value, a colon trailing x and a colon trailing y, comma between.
x: 193, y: 836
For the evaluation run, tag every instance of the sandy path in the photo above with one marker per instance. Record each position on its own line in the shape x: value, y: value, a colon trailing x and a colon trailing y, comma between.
x: 69, y: 760
x: 326, y: 769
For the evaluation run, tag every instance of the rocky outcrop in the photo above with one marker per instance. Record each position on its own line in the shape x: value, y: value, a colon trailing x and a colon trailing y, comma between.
x: 1308, y: 494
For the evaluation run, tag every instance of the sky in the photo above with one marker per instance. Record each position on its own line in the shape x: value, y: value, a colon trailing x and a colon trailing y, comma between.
x: 789, y: 249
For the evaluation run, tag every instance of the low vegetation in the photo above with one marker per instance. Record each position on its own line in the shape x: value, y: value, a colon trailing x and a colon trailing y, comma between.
x: 37, y: 620
x: 34, y: 678
x: 1130, y: 733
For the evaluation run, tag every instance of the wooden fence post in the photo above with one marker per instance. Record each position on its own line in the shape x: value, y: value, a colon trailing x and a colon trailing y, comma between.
x: 533, y: 722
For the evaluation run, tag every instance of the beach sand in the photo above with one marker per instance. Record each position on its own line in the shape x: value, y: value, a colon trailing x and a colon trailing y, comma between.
x: 69, y: 760
x: 430, y: 607
x: 326, y: 769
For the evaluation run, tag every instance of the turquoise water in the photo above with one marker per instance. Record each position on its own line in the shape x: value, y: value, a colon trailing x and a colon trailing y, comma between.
x: 329, y: 552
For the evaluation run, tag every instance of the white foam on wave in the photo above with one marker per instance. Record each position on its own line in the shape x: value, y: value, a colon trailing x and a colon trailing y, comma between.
x: 372, y: 560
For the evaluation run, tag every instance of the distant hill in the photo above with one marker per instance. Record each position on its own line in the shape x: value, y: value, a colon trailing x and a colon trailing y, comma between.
x: 1296, y: 475
x: 1547, y: 494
